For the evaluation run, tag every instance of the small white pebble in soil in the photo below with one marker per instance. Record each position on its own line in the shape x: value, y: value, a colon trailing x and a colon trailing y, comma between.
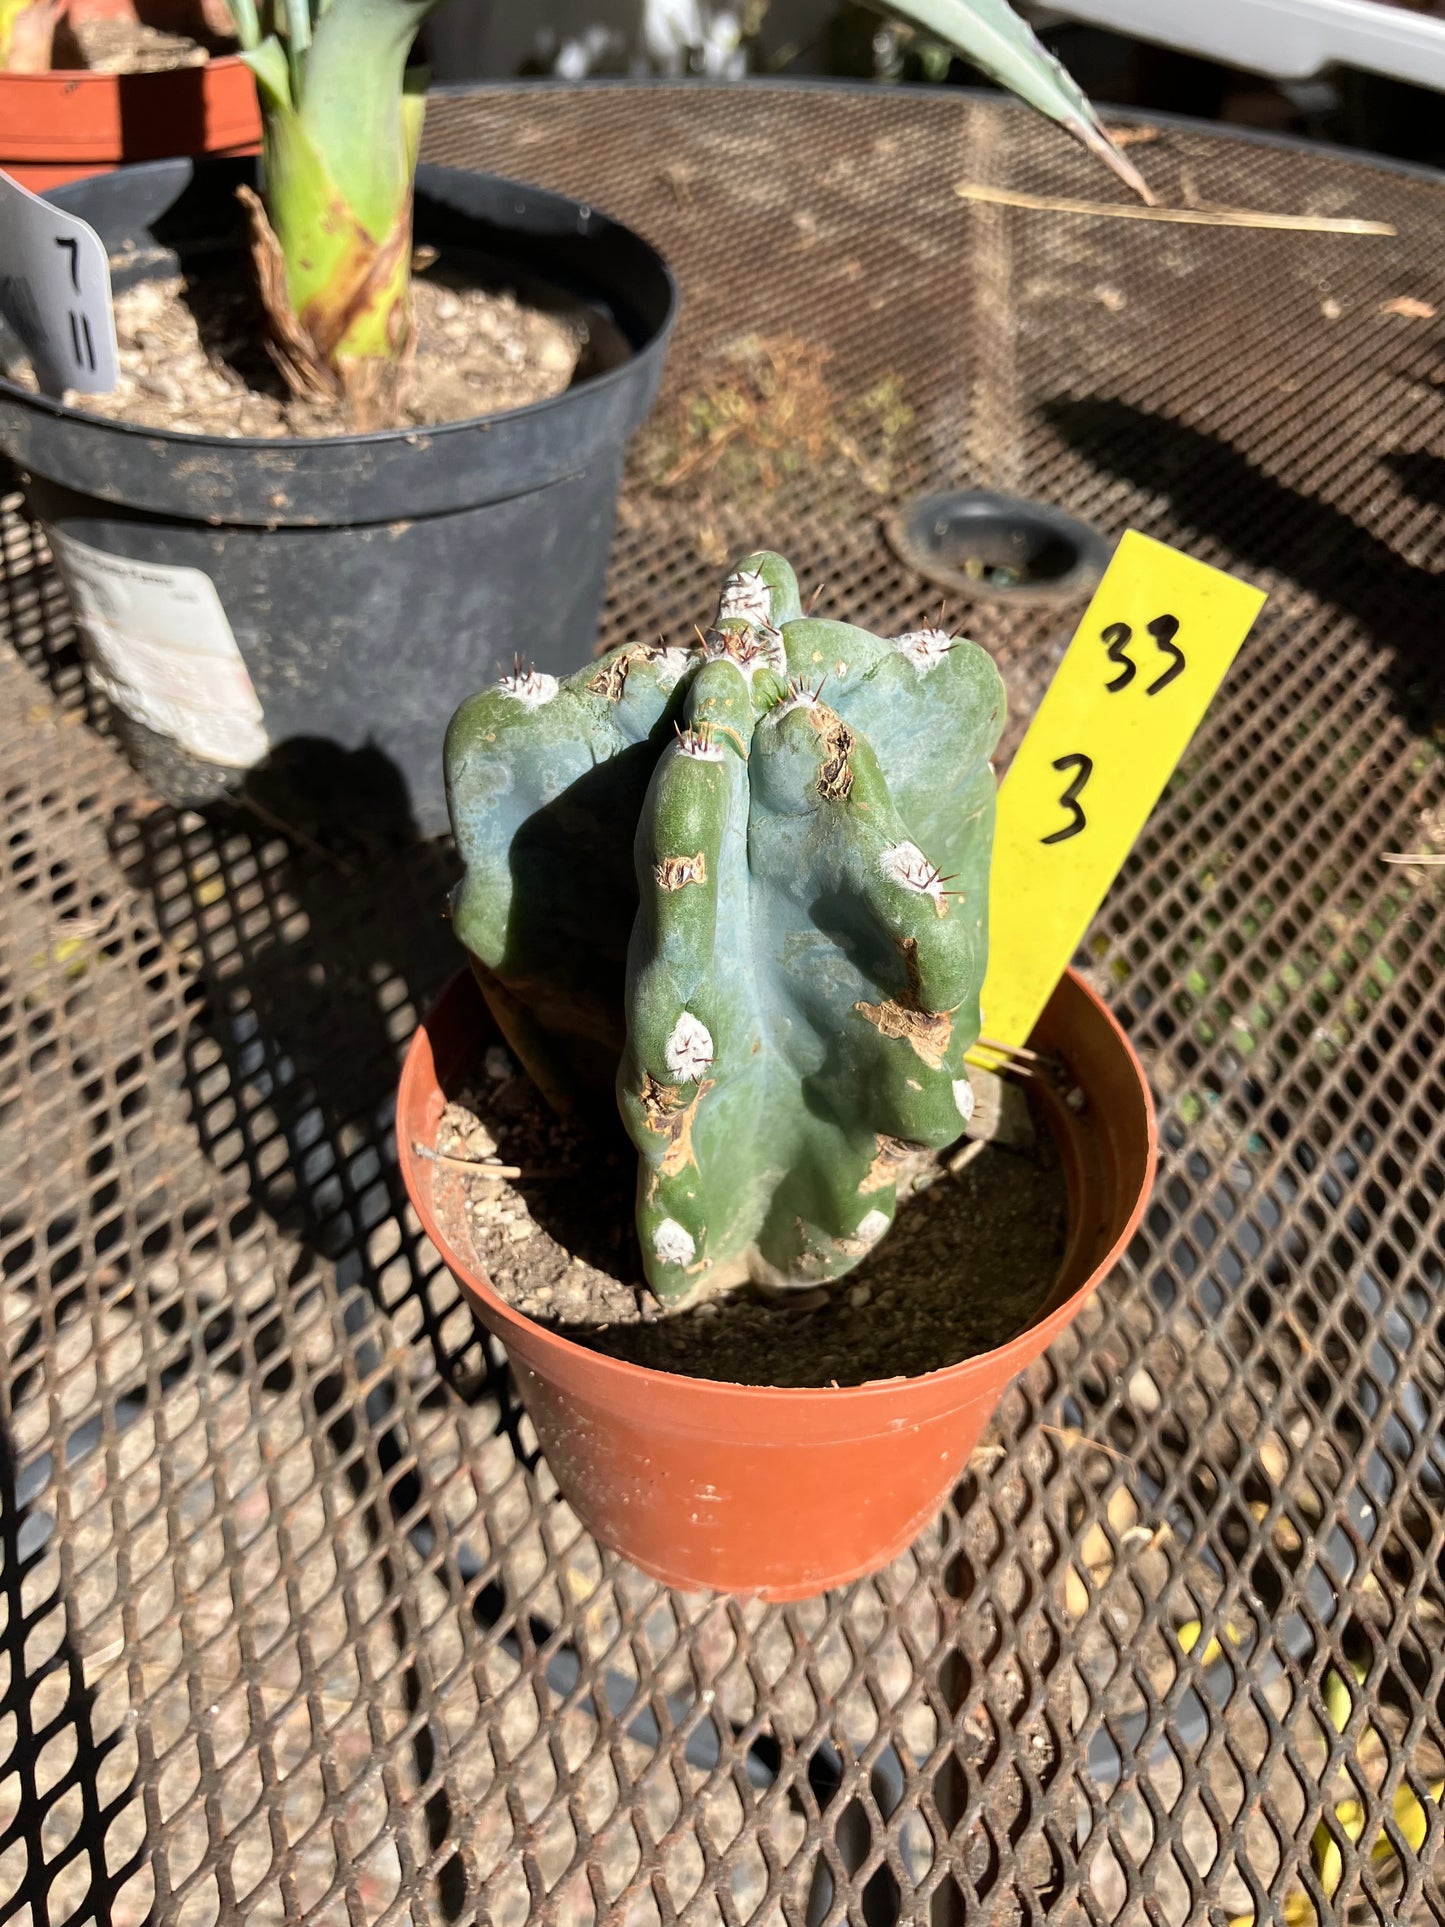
x: 1143, y: 1392
x: 556, y: 356
x: 520, y: 1230
x: 498, y: 1065
x: 859, y: 1296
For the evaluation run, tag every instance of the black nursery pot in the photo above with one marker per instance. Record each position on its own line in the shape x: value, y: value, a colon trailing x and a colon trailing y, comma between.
x: 369, y: 582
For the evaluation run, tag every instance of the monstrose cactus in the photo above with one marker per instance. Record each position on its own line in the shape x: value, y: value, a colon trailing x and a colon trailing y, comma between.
x: 749, y: 880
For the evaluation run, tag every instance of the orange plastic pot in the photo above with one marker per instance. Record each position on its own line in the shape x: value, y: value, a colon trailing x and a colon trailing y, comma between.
x: 755, y: 1489
x: 59, y: 126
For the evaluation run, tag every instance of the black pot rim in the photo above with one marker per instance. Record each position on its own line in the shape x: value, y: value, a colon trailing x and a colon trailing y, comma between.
x: 63, y: 195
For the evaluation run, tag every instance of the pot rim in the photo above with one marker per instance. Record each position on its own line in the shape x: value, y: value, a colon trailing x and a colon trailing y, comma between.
x: 622, y: 1374
x: 73, y: 77
x: 413, y: 436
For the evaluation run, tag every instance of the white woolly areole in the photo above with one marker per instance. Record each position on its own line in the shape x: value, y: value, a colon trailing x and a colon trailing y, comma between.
x: 775, y: 655
x: 702, y: 749
x: 689, y: 1049
x: 671, y: 664
x: 906, y: 864
x: 802, y: 699
x: 963, y: 1097
x: 531, y: 687
x: 924, y: 648
x: 871, y: 1228
x: 674, y: 1243
x: 721, y: 645
x: 746, y: 597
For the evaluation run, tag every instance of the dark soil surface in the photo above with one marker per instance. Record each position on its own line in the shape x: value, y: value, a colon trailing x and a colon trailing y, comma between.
x: 969, y: 1261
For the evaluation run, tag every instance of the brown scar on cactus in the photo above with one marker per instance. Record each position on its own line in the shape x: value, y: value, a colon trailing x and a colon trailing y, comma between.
x: 676, y: 872
x: 726, y: 729
x: 611, y: 677
x: 889, y: 1159
x: 835, y: 772
x: 927, y: 1031
x: 669, y: 1116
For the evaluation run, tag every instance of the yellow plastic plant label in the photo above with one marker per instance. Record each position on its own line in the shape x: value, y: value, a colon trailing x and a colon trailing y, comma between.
x: 1131, y: 691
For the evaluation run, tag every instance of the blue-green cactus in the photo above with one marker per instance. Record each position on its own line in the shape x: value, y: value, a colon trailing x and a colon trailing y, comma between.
x: 751, y: 879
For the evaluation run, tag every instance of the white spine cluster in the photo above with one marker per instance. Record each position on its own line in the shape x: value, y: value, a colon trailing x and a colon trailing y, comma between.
x: 906, y: 865
x: 924, y: 648
x: 871, y: 1228
x: 800, y: 697
x: 672, y: 664
x: 770, y: 640
x: 531, y: 687
x: 746, y: 597
x: 689, y: 1049
x: 963, y: 1097
x: 702, y: 748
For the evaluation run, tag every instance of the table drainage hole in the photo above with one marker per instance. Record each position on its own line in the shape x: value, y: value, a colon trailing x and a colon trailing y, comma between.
x: 981, y: 544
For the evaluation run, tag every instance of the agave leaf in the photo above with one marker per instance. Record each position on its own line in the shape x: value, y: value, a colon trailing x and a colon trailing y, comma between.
x: 298, y: 39
x: 247, y: 22
x: 267, y: 61
x: 994, y: 38
x: 353, y: 105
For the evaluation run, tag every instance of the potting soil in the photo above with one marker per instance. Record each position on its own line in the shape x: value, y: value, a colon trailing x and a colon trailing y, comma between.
x: 969, y: 1261
x: 192, y: 358
x: 119, y: 44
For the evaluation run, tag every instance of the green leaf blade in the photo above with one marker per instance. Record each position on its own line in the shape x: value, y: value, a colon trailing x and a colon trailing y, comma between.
x: 991, y: 35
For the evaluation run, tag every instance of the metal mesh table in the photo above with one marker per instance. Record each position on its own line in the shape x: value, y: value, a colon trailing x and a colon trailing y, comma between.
x: 294, y: 1623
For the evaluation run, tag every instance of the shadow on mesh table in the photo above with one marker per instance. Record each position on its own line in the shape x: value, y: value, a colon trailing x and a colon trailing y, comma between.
x: 76, y: 1813
x: 1262, y: 524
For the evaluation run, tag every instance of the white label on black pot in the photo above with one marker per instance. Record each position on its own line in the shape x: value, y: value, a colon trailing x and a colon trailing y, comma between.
x: 162, y: 650
x: 55, y: 292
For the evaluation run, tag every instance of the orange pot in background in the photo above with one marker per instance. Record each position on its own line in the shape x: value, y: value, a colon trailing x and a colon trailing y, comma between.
x: 58, y: 126
x: 755, y: 1489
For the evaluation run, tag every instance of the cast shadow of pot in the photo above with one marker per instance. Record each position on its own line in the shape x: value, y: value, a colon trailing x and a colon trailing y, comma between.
x: 313, y: 951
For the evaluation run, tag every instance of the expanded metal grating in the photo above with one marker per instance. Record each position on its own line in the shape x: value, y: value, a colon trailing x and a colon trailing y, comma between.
x: 294, y: 1624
